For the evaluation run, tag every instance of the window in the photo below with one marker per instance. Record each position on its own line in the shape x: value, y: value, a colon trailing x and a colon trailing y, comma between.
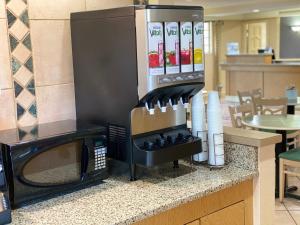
x: 207, y: 38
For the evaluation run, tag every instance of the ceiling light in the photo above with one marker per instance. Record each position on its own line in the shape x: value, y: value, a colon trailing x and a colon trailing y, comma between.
x: 255, y: 10
x: 295, y: 28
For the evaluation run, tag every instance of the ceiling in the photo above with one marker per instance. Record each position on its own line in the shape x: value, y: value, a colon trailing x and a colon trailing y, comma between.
x: 243, y: 8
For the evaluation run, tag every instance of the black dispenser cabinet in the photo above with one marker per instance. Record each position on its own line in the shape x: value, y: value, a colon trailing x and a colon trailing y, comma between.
x: 135, y: 70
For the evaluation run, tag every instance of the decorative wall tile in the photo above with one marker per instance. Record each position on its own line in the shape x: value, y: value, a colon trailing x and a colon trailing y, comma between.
x: 55, y: 9
x: 22, y: 134
x: 24, y: 18
x: 23, y: 76
x: 55, y: 103
x: 21, y: 53
x: 27, y: 41
x: 19, y: 29
x: 27, y: 133
x: 27, y: 120
x: 105, y: 4
x: 7, y: 113
x: 11, y: 18
x: 34, y: 131
x: 21, y: 62
x: 13, y: 42
x: 53, y: 65
x: 15, y: 65
x: 18, y: 89
x: 20, y: 111
x: 5, y: 71
x: 16, y: 6
x: 31, y: 87
x: 29, y: 65
x: 32, y: 110
x: 25, y: 99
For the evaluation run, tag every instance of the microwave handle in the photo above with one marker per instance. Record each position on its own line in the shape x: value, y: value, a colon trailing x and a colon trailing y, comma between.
x: 85, y: 157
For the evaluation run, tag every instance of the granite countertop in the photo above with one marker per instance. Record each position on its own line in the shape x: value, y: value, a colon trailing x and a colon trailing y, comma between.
x: 119, y: 201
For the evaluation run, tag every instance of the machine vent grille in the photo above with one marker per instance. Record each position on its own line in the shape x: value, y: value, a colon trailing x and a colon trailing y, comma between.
x: 117, y: 141
x: 117, y: 134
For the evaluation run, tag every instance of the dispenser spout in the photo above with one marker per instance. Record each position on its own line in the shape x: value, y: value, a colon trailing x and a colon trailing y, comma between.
x: 150, y: 107
x: 174, y: 103
x: 162, y: 104
x: 185, y: 101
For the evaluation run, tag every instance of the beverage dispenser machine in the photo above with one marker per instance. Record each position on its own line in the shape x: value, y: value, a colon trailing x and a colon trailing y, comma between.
x: 136, y: 69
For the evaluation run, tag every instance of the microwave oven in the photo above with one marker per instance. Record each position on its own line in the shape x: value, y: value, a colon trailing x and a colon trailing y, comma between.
x: 50, y: 159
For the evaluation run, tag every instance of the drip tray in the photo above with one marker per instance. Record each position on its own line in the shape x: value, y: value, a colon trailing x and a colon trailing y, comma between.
x: 151, y: 158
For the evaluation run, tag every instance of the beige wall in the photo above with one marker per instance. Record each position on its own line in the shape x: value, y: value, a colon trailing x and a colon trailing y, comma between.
x: 234, y: 31
x: 226, y: 31
x: 273, y: 33
x: 43, y: 92
x: 210, y: 72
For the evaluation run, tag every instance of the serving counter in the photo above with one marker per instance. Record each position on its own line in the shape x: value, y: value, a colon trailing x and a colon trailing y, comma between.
x: 193, y: 194
x: 259, y: 71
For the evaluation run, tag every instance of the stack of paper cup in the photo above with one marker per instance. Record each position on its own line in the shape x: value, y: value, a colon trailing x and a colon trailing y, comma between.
x: 199, y: 125
x: 215, y: 130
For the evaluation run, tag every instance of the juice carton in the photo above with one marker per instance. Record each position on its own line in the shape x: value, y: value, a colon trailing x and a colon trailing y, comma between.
x: 198, y: 46
x: 172, y: 47
x: 186, y: 48
x: 156, y: 48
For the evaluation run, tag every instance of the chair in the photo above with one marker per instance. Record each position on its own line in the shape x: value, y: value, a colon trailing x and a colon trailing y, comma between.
x: 237, y: 113
x: 244, y: 97
x: 287, y: 160
x: 247, y: 96
x: 257, y: 93
x: 271, y: 106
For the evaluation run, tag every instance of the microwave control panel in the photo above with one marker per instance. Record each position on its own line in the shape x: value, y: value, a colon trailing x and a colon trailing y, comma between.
x: 100, y: 157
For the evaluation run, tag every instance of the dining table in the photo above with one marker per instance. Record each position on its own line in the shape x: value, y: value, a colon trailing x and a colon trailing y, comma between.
x: 291, y: 104
x: 280, y: 124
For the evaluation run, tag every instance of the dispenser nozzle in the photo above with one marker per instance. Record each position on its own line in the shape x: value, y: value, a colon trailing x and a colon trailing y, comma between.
x: 150, y: 108
x: 162, y: 105
x: 185, y: 101
x: 174, y: 103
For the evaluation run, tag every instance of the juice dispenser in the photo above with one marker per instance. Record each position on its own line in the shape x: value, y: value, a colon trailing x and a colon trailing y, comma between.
x: 136, y: 69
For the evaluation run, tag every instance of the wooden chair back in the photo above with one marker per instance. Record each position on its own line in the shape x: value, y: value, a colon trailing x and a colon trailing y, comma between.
x: 293, y: 140
x: 237, y: 113
x: 244, y: 97
x: 270, y: 106
x: 257, y: 93
x: 247, y: 96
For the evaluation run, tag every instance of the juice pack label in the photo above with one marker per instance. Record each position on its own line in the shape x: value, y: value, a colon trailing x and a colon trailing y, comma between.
x: 198, y: 46
x: 156, y: 48
x: 186, y: 47
x: 172, y: 47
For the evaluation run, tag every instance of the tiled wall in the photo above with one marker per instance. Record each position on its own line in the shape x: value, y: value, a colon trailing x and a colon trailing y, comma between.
x: 36, y: 72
